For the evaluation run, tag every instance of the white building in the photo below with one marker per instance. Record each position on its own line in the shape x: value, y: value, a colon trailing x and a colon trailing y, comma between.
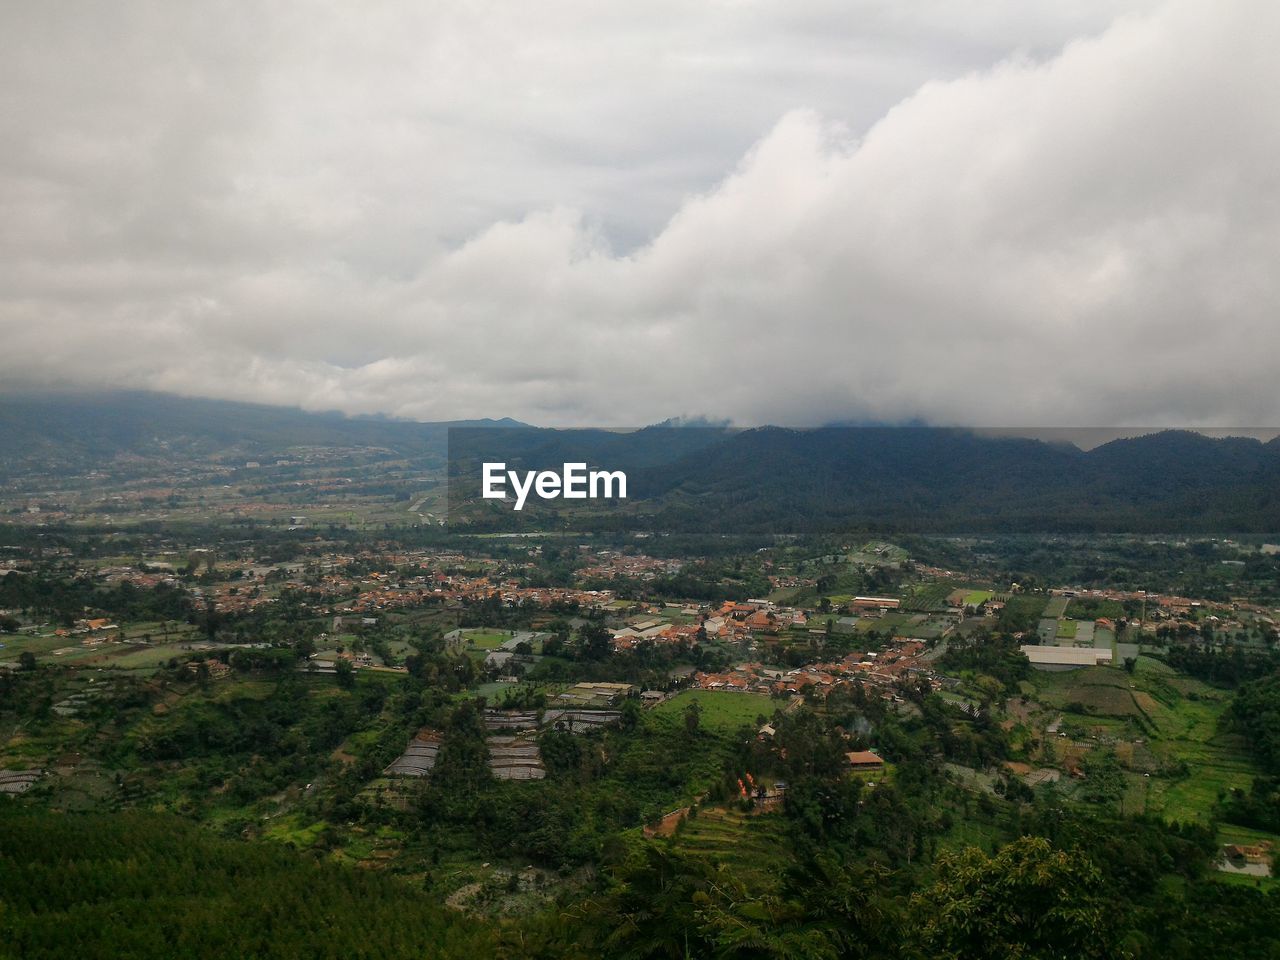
x: 1065, y: 658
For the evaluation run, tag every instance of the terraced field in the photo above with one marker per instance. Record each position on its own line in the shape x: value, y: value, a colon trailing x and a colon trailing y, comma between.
x: 746, y: 843
x: 1173, y: 726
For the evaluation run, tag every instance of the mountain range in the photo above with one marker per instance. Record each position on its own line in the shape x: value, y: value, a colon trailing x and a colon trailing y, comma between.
x: 716, y: 478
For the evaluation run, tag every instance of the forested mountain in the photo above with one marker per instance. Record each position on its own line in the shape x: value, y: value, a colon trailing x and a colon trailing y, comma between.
x: 909, y: 479
x: 954, y: 480
x: 713, y: 478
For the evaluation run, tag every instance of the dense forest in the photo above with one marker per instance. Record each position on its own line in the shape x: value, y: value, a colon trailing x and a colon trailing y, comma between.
x: 144, y: 886
x: 140, y: 885
x: 894, y: 480
x: 1256, y: 712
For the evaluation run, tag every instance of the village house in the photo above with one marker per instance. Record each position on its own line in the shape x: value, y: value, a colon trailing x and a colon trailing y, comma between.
x: 216, y: 668
x: 863, y: 760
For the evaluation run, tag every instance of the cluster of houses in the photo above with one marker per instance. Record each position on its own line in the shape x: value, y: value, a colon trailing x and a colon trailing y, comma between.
x: 730, y: 622
x: 884, y: 670
x: 612, y: 565
x: 346, y: 582
x: 94, y: 628
x: 378, y: 597
x: 359, y: 589
x: 1165, y: 607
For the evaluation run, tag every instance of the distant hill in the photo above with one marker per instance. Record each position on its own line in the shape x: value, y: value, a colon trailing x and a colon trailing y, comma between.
x: 76, y: 430
x: 905, y: 479
x: 953, y: 480
x: 711, y: 478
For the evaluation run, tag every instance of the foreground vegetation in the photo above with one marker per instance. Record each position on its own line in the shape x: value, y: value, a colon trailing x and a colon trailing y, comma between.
x: 142, y: 885
x: 206, y: 789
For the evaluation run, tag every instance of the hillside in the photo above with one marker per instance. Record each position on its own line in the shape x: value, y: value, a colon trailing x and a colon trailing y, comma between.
x: 72, y: 431
x: 953, y: 480
x: 700, y: 478
x: 898, y: 479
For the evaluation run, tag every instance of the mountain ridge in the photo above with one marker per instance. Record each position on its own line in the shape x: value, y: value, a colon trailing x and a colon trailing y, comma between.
x: 715, y: 477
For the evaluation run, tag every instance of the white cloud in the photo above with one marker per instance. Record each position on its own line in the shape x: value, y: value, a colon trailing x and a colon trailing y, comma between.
x: 469, y: 211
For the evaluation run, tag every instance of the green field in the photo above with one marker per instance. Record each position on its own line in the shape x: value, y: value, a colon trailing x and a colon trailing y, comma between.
x: 889, y: 622
x: 486, y: 639
x: 1067, y: 629
x: 1056, y: 607
x: 928, y: 597
x: 722, y: 712
x: 1191, y: 758
x: 293, y: 830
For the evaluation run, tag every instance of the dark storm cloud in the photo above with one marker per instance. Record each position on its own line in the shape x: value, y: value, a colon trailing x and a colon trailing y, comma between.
x: 961, y: 212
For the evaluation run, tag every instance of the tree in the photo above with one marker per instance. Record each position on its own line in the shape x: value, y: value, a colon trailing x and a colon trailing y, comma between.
x: 1030, y: 901
x: 668, y: 904
x: 692, y: 717
x: 346, y: 674
x: 1259, y: 808
x: 630, y: 718
x: 1255, y: 713
x: 1104, y: 780
x: 27, y: 660
x: 595, y: 642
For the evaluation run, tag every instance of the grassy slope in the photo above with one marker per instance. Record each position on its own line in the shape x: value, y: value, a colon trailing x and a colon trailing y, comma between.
x: 722, y: 712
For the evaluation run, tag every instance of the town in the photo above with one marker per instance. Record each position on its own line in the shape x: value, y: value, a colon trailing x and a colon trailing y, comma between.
x: 301, y: 652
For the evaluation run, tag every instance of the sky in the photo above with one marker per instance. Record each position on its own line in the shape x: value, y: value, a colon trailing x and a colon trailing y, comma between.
x: 960, y: 212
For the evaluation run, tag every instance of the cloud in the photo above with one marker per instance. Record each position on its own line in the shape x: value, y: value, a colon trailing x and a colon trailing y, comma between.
x: 445, y: 212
